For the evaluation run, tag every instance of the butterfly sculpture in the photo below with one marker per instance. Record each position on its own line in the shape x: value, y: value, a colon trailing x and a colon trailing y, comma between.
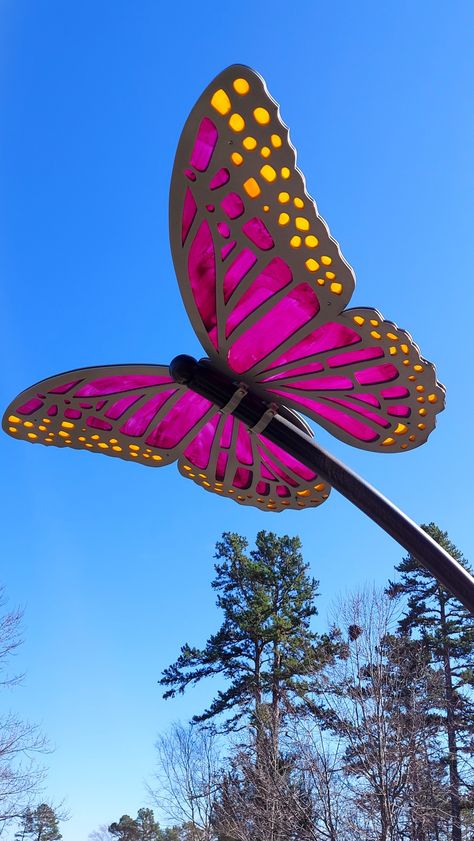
x: 266, y: 289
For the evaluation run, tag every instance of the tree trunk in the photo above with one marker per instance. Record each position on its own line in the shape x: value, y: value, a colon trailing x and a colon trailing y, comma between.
x: 454, y: 781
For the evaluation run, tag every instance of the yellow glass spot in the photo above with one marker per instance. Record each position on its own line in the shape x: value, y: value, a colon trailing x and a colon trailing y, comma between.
x: 145, y: 455
x: 230, y: 491
x: 268, y: 173
x: 240, y: 497
x: 265, y: 152
x: 406, y: 362
x: 192, y: 475
x: 218, y: 490
x: 401, y: 429
x: 260, y: 500
x: 262, y: 116
x: 336, y: 288
x: 420, y: 388
x: 359, y: 320
x: 29, y: 424
x: 81, y: 438
x: 251, y: 188
x: 283, y: 197
x: 392, y: 336
x: 103, y: 445
x: 221, y: 102
x: 418, y: 368
x: 249, y: 143
x: 276, y: 140
x: 89, y: 446
x: 422, y: 412
x: 301, y: 223
x: 63, y: 434
x: 68, y: 425
x: 284, y: 502
x: 312, y: 265
x: 43, y: 428
x: 411, y: 437
x: 285, y: 172
x: 283, y: 219
x: 404, y: 348
x: 32, y: 435
x: 303, y: 493
x: 420, y: 399
x: 186, y: 467
x: 236, y: 158
x: 375, y: 335
x: 320, y: 281
x: 207, y: 484
x: 374, y: 322
x: 14, y: 419
x: 311, y: 241
x: 12, y: 429
x: 325, y: 260
x: 202, y: 475
x: 412, y: 378
x: 330, y: 275
x: 236, y: 122
x: 219, y: 484
x: 320, y: 487
x: 392, y: 350
x: 134, y: 455
x: 421, y: 425
x: 299, y: 203
x: 266, y: 208
x: 159, y: 458
x: 49, y: 440
x: 403, y: 446
x: 46, y: 420
x: 241, y: 86
x: 133, y: 447
x: 432, y: 398
x: 325, y: 496
x: 387, y: 442
x: 295, y: 241
x: 95, y: 437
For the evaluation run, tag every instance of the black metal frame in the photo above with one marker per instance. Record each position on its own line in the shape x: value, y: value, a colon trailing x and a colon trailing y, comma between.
x: 202, y: 378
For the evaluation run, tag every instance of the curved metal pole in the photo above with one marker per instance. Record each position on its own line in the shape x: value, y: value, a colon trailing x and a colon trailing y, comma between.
x: 206, y: 381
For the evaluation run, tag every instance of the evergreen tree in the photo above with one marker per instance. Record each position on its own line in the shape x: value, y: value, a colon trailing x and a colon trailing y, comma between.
x: 447, y: 630
x: 40, y: 824
x: 142, y: 828
x: 265, y: 647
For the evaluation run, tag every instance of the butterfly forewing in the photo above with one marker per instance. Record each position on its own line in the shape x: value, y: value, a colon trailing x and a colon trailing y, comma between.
x: 255, y: 262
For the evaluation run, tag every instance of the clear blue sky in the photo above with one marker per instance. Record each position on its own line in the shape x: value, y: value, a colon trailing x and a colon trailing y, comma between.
x: 113, y: 562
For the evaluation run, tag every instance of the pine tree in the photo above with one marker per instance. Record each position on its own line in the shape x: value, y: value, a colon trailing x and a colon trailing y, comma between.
x: 447, y: 629
x: 40, y: 824
x: 265, y: 646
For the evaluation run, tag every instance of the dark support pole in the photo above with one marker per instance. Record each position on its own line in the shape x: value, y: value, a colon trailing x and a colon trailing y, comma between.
x: 209, y: 383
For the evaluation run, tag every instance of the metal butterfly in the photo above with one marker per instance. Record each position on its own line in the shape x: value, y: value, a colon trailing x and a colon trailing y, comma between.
x: 265, y: 287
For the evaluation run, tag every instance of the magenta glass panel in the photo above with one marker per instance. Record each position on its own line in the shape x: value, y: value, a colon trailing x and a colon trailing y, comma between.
x: 190, y: 174
x: 30, y: 406
x: 227, y: 248
x: 199, y: 450
x: 293, y: 311
x: 324, y: 383
x: 265, y: 471
x: 62, y: 389
x: 278, y: 470
x: 274, y: 277
x: 399, y: 411
x: 355, y: 427
x: 100, y: 405
x: 72, y: 414
x: 244, y: 446
x: 117, y: 383
x: 202, y: 275
x: 262, y: 488
x: 311, y: 368
x: 52, y: 411
x: 226, y: 437
x: 98, y: 423
x: 221, y: 177
x: 232, y: 205
x: 204, y: 145
x: 242, y: 478
x: 354, y: 356
x: 237, y: 271
x: 328, y: 337
x: 394, y: 392
x: 221, y: 466
x: 289, y: 461
x: 223, y: 229
x: 189, y: 212
x: 139, y: 422
x: 117, y: 409
x: 258, y: 233
x: 367, y: 398
x: 366, y: 413
x: 85, y: 405
x: 283, y: 491
x: 378, y: 374
x: 178, y: 421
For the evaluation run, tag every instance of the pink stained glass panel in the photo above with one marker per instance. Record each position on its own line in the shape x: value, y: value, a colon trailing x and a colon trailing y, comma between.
x: 271, y: 280
x: 117, y: 383
x: 189, y: 213
x: 395, y: 392
x: 202, y: 275
x: 233, y: 205
x: 323, y: 383
x: 292, y: 463
x: 63, y: 389
x: 199, y: 450
x: 399, y: 411
x: 221, y: 466
x: 326, y: 338
x: 72, y: 414
x: 30, y: 406
x: 311, y: 368
x: 242, y: 478
x: 179, y: 421
x: 360, y: 410
x: 352, y: 357
x: 258, y: 233
x: 226, y: 437
x: 287, y: 316
x: 137, y: 424
x: 244, y: 445
x: 204, y: 145
x: 262, y: 488
x: 98, y: 423
x: 237, y: 271
x: 220, y: 178
x: 340, y: 419
x: 377, y: 374
x: 120, y: 406
x: 227, y: 248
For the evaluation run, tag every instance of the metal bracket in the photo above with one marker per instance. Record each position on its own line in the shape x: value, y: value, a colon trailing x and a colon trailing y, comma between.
x: 234, y: 401
x: 266, y: 418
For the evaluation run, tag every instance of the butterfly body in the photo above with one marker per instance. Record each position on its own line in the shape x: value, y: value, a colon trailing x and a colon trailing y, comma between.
x: 266, y: 289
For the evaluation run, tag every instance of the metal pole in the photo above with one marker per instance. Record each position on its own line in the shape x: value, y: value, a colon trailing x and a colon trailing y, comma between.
x: 206, y: 381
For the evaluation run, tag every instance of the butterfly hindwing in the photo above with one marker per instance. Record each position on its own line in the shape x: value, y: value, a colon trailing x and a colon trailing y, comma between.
x: 255, y: 262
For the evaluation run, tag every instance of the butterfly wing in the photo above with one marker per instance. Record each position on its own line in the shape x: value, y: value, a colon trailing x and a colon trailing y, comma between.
x: 134, y: 412
x: 256, y: 265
